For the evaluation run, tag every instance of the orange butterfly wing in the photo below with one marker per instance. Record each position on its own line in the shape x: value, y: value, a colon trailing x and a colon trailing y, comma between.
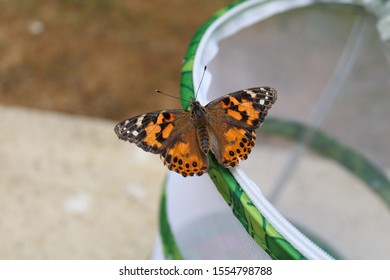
x: 169, y: 133
x: 233, y: 119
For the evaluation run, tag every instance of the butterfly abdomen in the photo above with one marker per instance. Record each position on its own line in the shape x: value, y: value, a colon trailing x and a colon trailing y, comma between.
x: 204, y: 139
x: 198, y: 115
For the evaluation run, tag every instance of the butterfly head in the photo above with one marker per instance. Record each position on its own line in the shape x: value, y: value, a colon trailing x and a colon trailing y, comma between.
x: 197, y: 110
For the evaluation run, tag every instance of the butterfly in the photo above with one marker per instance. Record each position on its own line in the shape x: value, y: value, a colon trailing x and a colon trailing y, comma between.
x: 183, y: 138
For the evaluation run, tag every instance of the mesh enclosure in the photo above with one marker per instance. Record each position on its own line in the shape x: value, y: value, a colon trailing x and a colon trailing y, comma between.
x: 316, y: 184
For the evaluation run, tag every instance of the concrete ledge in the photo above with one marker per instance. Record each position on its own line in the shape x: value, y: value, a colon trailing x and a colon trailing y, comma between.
x: 72, y: 190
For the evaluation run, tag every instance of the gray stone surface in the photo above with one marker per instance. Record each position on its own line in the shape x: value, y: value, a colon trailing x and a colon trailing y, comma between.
x: 71, y: 190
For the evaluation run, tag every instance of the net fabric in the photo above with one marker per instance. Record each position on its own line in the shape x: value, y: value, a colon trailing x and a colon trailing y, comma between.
x: 281, y: 51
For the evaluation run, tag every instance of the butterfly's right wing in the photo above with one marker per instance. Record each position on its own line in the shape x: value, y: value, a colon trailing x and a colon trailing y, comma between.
x: 170, y: 133
x: 233, y: 119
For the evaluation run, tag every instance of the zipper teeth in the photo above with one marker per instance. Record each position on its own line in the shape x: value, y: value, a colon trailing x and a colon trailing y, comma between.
x: 296, y: 238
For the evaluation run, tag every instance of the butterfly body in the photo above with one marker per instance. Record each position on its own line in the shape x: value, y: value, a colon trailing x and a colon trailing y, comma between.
x: 199, y: 118
x: 226, y: 127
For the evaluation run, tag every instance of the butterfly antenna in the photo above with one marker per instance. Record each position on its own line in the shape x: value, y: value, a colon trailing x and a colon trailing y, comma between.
x: 200, y: 83
x: 159, y: 91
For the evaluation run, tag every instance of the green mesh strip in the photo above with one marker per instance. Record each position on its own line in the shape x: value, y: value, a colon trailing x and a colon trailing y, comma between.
x: 252, y: 220
x: 330, y: 148
x: 249, y: 216
x: 171, y: 251
x: 270, y: 240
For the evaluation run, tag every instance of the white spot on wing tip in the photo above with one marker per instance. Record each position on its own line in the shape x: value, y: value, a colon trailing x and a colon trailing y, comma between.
x: 251, y: 93
x: 139, y: 120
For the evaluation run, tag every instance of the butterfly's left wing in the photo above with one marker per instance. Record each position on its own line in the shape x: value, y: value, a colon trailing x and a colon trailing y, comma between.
x: 233, y: 119
x: 149, y: 131
x: 169, y: 133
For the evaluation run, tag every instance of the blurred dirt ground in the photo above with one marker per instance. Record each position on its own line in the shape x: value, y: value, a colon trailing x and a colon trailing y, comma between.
x: 70, y: 189
x: 101, y: 58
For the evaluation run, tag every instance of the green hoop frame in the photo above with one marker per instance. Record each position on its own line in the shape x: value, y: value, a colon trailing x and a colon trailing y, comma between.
x: 257, y: 226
